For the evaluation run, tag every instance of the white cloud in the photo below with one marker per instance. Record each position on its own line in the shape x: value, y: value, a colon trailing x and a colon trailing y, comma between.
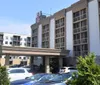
x: 11, y: 26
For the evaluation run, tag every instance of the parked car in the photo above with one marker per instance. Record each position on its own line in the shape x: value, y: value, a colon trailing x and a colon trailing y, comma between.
x: 18, y: 73
x: 33, y: 78
x: 41, y: 80
x: 67, y: 69
x: 58, y: 79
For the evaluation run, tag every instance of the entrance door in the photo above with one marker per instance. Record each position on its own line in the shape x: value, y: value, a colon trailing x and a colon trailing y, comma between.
x: 54, y: 65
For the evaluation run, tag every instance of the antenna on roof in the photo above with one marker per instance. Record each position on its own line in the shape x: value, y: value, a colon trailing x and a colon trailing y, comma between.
x: 50, y: 11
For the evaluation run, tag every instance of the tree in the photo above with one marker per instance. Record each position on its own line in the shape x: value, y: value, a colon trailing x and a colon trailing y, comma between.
x: 4, y: 76
x: 88, y: 71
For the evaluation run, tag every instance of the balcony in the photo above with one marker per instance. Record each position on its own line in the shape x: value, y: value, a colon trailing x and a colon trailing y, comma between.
x: 1, y: 37
x: 83, y: 16
x: 84, y: 52
x: 84, y: 40
x: 76, y: 41
x: 77, y: 30
x: 15, y: 39
x: 84, y: 28
x: 77, y: 53
x: 76, y: 19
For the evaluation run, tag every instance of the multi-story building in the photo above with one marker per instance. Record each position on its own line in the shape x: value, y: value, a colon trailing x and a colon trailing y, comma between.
x: 8, y: 39
x: 75, y: 28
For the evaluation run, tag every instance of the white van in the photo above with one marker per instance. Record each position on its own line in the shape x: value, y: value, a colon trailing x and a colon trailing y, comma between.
x: 67, y: 69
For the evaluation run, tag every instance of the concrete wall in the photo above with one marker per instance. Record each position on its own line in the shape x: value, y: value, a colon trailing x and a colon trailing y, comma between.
x: 23, y: 41
x: 94, y: 30
x: 7, y: 38
x: 52, y: 33
x: 40, y: 36
x: 69, y: 32
x: 2, y: 61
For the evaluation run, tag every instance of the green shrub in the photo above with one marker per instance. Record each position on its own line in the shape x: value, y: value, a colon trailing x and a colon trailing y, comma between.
x: 88, y: 71
x: 4, y: 76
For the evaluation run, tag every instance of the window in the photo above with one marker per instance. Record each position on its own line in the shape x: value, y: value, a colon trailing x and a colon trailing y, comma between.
x: 20, y: 43
x: 23, y: 63
x: 17, y: 71
x: 25, y: 39
x: 10, y: 62
x: 19, y: 57
x: 6, y: 37
x: 84, y: 35
x: 6, y: 42
x: 83, y: 23
x: 20, y: 38
x: 25, y: 44
x: 24, y: 58
x: 10, y: 58
x: 11, y: 38
x: 11, y: 43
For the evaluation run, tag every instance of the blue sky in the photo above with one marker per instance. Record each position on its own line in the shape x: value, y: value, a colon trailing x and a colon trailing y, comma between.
x: 18, y: 15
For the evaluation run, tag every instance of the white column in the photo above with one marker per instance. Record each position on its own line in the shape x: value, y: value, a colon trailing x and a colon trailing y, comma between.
x: 47, y: 66
x: 94, y: 29
x: 69, y: 32
x: 40, y: 36
x: 52, y: 33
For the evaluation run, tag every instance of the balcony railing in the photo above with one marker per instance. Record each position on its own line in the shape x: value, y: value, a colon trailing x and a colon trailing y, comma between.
x: 84, y: 52
x: 80, y: 53
x: 76, y: 18
x: 77, y: 53
x: 77, y: 30
x: 84, y: 28
x: 77, y: 41
x: 83, y: 16
x: 84, y: 40
x: 16, y: 40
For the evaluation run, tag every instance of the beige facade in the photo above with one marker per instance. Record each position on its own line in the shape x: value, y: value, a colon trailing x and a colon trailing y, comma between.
x: 2, y: 61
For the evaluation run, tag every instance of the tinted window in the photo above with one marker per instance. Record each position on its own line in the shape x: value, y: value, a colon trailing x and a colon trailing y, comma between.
x: 63, y: 68
x: 17, y: 71
x: 46, y: 77
x: 61, y: 77
x: 37, y: 76
x: 72, y: 68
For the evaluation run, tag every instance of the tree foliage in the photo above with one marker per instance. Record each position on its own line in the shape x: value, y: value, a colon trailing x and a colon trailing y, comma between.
x: 88, y: 71
x: 4, y: 76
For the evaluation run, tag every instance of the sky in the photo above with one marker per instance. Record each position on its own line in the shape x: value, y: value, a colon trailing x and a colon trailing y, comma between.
x: 16, y: 16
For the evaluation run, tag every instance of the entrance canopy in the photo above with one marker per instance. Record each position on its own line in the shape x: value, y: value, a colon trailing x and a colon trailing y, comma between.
x: 27, y: 51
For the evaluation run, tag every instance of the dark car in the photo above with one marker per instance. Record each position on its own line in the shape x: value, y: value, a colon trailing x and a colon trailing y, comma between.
x: 58, y: 79
x: 34, y: 78
x: 42, y: 79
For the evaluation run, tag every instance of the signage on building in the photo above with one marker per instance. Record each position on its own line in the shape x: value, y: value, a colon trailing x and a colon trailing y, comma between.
x: 39, y: 14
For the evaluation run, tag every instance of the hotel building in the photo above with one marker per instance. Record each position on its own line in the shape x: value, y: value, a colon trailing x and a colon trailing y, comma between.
x: 76, y: 28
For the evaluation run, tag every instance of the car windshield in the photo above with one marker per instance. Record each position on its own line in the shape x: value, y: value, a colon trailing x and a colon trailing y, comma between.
x: 60, y: 77
x: 36, y: 76
x: 47, y: 77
